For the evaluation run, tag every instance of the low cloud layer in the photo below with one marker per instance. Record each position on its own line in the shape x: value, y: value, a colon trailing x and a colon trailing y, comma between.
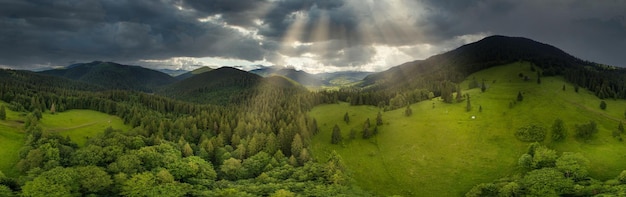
x: 313, y: 35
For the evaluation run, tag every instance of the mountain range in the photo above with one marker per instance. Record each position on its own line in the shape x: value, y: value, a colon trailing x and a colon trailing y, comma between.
x: 452, y: 66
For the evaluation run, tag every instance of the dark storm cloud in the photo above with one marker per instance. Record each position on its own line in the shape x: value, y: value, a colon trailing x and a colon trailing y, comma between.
x: 35, y: 33
x: 591, y: 30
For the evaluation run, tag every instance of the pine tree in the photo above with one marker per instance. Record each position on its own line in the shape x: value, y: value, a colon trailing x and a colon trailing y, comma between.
x: 296, y: 145
x: 620, y: 127
x: 408, y: 111
x: 469, y: 105
x: 3, y: 113
x: 558, y: 130
x: 336, y: 137
x: 602, y: 105
x: 346, y: 118
x: 379, y: 119
x: 519, y: 96
x: 483, y: 87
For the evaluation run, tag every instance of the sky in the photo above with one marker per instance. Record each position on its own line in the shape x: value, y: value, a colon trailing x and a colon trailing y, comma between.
x: 311, y: 35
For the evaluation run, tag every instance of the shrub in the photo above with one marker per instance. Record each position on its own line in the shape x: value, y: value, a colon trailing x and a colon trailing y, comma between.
x: 531, y: 133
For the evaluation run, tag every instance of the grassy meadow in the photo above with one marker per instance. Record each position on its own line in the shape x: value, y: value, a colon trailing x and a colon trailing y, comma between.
x: 11, y: 140
x: 442, y: 151
x: 77, y: 124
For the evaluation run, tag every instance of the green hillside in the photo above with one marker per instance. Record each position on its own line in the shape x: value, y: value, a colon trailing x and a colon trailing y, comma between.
x: 79, y: 125
x: 441, y: 151
x: 11, y: 140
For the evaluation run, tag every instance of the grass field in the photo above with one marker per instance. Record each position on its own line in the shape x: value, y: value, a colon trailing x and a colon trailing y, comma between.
x: 442, y: 151
x: 77, y: 124
x: 11, y: 140
x: 81, y: 124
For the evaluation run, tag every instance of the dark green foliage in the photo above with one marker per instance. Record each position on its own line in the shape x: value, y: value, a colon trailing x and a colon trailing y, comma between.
x: 531, y: 133
x: 3, y: 113
x: 576, y: 88
x: 586, y: 131
x: 559, y: 132
x: 379, y: 119
x: 546, y: 174
x: 563, y: 87
x: 408, y: 111
x: 367, y: 132
x: 336, y: 137
x: 480, y: 108
x: 520, y: 97
x: 602, y: 105
x: 346, y: 118
x: 447, y: 87
x: 620, y: 127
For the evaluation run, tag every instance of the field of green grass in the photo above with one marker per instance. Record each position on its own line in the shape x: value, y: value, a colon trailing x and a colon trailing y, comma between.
x: 11, y: 140
x: 441, y: 151
x: 77, y: 124
x: 81, y: 124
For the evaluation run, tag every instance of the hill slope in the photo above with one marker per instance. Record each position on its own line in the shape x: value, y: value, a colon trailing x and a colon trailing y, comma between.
x: 193, y: 72
x: 441, y: 151
x: 457, y: 64
x: 224, y: 85
x: 114, y: 76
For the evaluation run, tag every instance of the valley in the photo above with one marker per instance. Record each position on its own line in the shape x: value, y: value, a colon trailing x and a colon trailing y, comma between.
x: 464, y: 122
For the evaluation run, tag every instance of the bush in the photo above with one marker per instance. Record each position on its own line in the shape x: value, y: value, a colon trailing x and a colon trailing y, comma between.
x: 531, y: 133
x: 586, y: 131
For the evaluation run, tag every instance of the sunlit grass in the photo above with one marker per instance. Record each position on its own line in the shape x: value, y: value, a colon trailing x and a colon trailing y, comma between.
x: 442, y: 151
x: 79, y: 125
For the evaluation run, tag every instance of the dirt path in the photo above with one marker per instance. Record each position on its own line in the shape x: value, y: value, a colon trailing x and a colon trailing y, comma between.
x: 594, y: 111
x: 74, y: 127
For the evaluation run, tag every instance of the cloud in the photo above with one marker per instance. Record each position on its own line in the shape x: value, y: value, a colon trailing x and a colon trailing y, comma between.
x: 314, y: 35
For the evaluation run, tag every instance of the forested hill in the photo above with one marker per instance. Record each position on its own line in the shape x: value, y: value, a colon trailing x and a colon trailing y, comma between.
x: 445, y: 71
x: 225, y: 85
x: 114, y: 76
x: 194, y: 72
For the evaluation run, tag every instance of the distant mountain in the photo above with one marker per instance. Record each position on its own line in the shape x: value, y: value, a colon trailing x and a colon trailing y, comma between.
x: 321, y: 79
x: 172, y: 72
x: 114, y: 76
x: 193, y: 72
x: 301, y: 77
x: 491, y: 51
x: 223, y: 86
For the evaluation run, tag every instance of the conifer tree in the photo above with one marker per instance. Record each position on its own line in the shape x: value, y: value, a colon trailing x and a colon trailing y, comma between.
x: 336, y: 137
x: 379, y: 119
x: 346, y: 118
x: 3, y: 113
x: 469, y: 105
x: 519, y: 96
